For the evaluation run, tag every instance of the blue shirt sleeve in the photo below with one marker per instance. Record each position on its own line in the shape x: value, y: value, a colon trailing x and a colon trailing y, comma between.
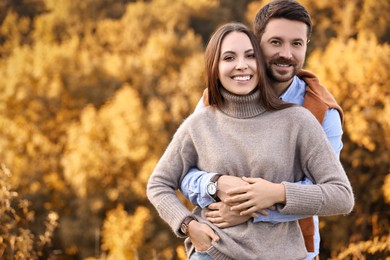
x: 194, y: 187
x: 333, y: 129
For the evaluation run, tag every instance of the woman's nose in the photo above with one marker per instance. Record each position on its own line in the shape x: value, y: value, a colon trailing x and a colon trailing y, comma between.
x: 241, y: 64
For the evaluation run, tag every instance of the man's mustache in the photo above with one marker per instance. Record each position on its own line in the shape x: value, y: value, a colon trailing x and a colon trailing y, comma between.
x: 284, y: 61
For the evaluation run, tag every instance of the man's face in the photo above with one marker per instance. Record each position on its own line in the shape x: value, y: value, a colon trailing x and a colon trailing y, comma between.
x: 284, y: 45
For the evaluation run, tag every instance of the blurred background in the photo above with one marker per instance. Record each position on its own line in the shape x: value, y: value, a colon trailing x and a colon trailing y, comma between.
x: 92, y: 91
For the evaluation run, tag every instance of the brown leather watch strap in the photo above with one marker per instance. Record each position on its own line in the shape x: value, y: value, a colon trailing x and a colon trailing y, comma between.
x: 185, y: 223
x: 215, y: 177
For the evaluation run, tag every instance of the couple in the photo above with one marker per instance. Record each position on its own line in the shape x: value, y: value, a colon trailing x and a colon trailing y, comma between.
x: 247, y: 131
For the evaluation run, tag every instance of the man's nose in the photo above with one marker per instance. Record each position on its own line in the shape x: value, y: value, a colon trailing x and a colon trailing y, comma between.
x: 286, y: 52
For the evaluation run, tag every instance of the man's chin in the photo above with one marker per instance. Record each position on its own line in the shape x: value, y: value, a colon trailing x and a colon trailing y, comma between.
x: 282, y: 78
x: 278, y: 76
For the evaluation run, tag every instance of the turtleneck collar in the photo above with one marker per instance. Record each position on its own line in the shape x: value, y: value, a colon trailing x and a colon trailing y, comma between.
x: 241, y: 106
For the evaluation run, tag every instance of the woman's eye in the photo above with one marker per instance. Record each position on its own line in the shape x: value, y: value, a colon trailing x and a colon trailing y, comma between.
x: 228, y: 58
x: 252, y: 56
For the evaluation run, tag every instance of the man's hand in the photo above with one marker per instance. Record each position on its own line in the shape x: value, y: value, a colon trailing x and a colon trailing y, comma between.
x: 256, y: 196
x: 201, y: 235
x: 221, y: 215
x: 227, y: 182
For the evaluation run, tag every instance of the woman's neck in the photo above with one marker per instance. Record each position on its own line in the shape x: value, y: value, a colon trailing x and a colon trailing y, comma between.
x: 241, y: 106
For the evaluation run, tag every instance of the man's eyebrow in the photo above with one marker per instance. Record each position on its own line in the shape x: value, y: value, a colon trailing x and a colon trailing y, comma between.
x: 275, y: 38
x: 281, y: 39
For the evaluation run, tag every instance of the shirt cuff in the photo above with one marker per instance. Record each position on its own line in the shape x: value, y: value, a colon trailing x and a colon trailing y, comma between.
x: 206, y: 199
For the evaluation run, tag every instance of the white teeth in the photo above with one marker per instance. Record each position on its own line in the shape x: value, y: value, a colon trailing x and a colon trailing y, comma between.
x: 282, y: 65
x: 242, y: 78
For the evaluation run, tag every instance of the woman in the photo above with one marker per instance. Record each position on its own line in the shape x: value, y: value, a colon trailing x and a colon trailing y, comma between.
x: 248, y: 132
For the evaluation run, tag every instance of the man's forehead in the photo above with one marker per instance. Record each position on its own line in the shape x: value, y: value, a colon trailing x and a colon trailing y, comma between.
x: 284, y: 28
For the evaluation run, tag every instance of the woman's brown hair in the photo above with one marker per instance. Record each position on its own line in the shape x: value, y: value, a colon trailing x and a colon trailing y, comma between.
x: 268, y: 97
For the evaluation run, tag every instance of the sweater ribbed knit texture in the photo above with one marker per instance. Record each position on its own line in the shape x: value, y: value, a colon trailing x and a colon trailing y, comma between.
x: 241, y: 138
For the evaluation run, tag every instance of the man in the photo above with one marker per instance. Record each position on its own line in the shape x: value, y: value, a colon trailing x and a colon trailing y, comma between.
x: 283, y: 28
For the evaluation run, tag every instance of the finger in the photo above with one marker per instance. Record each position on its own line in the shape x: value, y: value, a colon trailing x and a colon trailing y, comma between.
x: 237, y: 198
x: 250, y: 180
x: 215, y: 220
x: 264, y: 212
x: 248, y: 212
x: 237, y: 190
x: 212, y: 214
x: 215, y: 205
x: 213, y: 236
x: 242, y: 206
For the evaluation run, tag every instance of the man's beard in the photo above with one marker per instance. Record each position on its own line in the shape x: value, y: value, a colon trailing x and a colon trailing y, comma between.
x: 275, y: 76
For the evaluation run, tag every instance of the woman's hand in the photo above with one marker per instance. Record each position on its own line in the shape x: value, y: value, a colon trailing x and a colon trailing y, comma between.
x: 258, y: 195
x: 201, y: 235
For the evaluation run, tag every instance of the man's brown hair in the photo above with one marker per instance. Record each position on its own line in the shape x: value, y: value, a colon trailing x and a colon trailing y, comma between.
x: 287, y: 9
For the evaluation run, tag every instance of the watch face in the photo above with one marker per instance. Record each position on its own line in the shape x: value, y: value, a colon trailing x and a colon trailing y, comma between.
x: 211, y: 189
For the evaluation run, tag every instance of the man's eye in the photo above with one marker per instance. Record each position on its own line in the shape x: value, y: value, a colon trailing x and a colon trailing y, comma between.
x: 275, y: 43
x: 298, y: 44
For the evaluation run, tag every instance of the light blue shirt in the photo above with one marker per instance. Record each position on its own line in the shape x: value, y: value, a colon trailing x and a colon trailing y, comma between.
x: 194, y: 184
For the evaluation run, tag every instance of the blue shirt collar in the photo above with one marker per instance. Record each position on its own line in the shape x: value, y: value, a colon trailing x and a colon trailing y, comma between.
x: 295, y: 93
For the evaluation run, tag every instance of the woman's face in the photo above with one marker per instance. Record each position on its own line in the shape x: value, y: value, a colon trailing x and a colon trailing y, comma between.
x: 237, y: 69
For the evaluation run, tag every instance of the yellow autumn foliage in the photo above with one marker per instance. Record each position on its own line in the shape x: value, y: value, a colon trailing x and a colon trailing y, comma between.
x: 123, y: 234
x: 92, y: 91
x: 386, y: 188
x: 356, y: 73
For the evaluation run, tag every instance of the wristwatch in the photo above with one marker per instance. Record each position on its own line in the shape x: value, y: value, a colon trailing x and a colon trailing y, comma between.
x: 185, y: 223
x: 212, y: 187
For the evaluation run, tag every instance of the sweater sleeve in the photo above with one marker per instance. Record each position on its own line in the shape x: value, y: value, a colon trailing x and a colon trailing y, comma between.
x: 177, y: 159
x: 332, y: 193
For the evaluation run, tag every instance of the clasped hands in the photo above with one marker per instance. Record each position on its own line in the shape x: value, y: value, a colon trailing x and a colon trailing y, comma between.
x: 242, y: 199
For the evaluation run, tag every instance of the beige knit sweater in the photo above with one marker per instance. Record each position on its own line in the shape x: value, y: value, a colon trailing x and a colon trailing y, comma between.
x: 242, y: 139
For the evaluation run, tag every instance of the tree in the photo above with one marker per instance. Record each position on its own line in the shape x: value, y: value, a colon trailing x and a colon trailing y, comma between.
x: 355, y: 72
x: 18, y: 238
x: 68, y: 74
x: 114, y: 147
x: 92, y: 91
